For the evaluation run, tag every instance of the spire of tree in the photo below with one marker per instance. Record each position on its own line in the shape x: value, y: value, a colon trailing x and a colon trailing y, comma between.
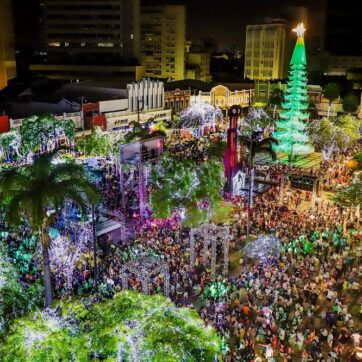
x: 291, y: 129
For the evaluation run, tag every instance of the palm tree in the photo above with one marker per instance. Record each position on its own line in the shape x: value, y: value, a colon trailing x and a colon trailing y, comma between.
x: 37, y: 193
x: 276, y: 98
x: 139, y: 131
x: 255, y: 144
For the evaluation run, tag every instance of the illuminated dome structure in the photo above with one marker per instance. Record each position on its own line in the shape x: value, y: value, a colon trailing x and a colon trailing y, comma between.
x: 200, y: 117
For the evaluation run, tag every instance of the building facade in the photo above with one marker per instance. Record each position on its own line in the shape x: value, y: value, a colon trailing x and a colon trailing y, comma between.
x: 199, y: 64
x: 220, y: 96
x: 7, y: 44
x: 81, y: 72
x: 91, y: 30
x: 265, y: 49
x: 177, y: 99
x: 340, y: 65
x: 146, y: 94
x: 163, y: 30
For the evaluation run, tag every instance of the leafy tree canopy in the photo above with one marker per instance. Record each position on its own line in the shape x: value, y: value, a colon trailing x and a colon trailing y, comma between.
x: 15, y: 300
x: 334, y: 135
x: 182, y: 184
x: 350, y: 103
x: 100, y: 144
x: 38, y: 132
x: 276, y: 97
x: 256, y: 120
x: 331, y: 91
x: 129, y: 326
x: 350, y: 196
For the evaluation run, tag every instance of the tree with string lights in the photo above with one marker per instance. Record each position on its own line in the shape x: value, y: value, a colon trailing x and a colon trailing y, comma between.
x: 291, y: 128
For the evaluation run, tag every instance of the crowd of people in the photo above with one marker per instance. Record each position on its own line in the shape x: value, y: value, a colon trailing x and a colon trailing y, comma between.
x: 302, y: 306
x: 299, y: 306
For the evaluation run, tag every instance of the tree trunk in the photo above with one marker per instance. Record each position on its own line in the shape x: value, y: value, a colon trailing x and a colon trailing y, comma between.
x: 329, y: 109
x: 358, y: 214
x: 46, y: 265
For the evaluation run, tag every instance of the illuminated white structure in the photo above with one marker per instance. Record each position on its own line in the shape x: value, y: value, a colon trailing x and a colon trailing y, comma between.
x: 222, y: 97
x: 146, y: 95
x: 200, y: 116
x: 239, y: 182
x: 211, y: 234
x: 144, y: 268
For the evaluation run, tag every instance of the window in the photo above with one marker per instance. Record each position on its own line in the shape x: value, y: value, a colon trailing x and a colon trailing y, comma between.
x: 105, y: 45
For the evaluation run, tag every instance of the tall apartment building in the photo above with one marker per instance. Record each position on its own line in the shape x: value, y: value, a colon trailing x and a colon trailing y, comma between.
x: 7, y: 44
x: 91, y: 31
x: 265, y: 49
x: 163, y: 37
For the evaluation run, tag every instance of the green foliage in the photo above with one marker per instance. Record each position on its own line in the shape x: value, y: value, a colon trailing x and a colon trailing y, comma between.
x: 276, y: 97
x: 15, y: 300
x: 358, y: 157
x: 217, y: 149
x: 38, y: 191
x: 138, y: 132
x: 160, y: 126
x: 10, y: 144
x: 350, y: 127
x: 331, y: 91
x: 109, y: 330
x: 36, y: 132
x: 23, y: 253
x: 180, y: 185
x: 100, y: 144
x: 216, y: 290
x: 350, y: 103
x: 223, y: 213
x: 32, y: 190
x: 334, y: 135
x: 257, y: 120
x: 350, y: 196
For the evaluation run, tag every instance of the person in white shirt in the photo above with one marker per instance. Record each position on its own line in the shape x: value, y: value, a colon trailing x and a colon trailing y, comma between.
x: 356, y: 338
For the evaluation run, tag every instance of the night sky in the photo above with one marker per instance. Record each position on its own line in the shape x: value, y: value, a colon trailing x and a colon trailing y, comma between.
x: 225, y: 20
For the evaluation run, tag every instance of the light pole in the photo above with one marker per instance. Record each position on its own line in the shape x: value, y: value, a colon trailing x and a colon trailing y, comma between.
x: 139, y: 109
x: 95, y: 250
x: 82, y: 113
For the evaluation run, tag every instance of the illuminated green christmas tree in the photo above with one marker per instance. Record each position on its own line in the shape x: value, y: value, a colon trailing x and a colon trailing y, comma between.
x: 291, y: 132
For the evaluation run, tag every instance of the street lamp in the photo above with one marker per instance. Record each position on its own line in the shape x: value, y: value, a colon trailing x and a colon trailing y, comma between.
x: 139, y: 109
x: 94, y: 249
x: 82, y: 113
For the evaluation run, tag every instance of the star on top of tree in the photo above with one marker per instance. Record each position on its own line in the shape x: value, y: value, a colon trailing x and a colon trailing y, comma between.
x: 300, y: 29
